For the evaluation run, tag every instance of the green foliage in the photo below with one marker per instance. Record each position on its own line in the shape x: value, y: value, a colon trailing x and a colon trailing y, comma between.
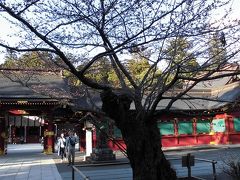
x: 9, y: 63
x: 33, y: 60
x: 231, y: 165
x: 178, y: 52
x: 217, y: 53
x: 138, y: 68
x: 99, y: 71
x: 72, y: 80
x: 103, y: 72
x: 113, y: 79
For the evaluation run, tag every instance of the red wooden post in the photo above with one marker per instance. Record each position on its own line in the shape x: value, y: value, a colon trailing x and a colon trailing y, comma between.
x: 49, y: 138
x: 78, y: 132
x: 94, y: 138
x: 176, y: 131
x: 28, y: 139
x: 45, y: 138
x: 195, y: 129
x: 229, y: 126
x: 2, y: 135
x: 212, y: 133
x: 13, y: 135
x: 82, y: 142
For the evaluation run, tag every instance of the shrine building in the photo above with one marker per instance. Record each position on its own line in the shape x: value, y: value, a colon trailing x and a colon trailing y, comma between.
x: 36, y: 104
x: 28, y: 103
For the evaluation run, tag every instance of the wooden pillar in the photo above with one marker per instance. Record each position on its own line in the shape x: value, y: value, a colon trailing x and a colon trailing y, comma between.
x: 78, y: 130
x: 94, y: 138
x: 195, y: 130
x: 82, y: 138
x: 176, y: 131
x: 2, y: 135
x: 49, y: 138
x: 212, y: 133
x: 28, y: 138
x: 25, y: 134
x: 229, y: 128
x: 10, y: 134
x: 231, y: 124
x: 45, y: 138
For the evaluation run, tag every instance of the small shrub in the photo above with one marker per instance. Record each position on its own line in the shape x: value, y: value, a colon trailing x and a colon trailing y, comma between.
x: 231, y: 166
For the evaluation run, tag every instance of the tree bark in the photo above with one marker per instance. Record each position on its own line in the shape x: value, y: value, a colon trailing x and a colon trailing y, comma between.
x: 145, y: 154
x: 142, y: 139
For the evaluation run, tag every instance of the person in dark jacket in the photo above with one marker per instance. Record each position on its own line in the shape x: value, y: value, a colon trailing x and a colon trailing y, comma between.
x: 70, y: 147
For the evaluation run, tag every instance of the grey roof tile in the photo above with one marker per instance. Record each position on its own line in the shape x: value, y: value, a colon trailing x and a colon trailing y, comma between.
x: 32, y: 85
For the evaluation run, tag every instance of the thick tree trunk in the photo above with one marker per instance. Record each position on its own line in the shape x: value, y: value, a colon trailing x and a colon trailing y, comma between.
x: 145, y: 153
x: 142, y: 139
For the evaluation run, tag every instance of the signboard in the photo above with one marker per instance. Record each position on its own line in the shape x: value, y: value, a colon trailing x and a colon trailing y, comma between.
x: 48, y: 133
x: 188, y: 160
x: 218, y: 125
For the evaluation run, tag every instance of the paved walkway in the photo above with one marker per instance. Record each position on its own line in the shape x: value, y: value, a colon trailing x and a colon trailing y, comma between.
x: 26, y: 162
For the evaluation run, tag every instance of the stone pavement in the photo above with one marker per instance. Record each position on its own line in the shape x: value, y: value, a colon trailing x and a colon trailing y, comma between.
x: 64, y: 170
x: 201, y: 169
x: 26, y: 162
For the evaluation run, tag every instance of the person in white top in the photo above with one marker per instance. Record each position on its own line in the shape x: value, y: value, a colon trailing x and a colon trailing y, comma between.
x: 62, y: 147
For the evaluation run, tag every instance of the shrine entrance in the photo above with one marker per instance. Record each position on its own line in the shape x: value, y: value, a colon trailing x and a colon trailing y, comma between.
x: 27, y: 123
x: 28, y: 107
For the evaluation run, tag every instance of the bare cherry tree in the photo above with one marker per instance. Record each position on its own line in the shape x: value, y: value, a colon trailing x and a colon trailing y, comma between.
x: 114, y: 29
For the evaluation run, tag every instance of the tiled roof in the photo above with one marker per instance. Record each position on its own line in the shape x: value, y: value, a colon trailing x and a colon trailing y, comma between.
x: 38, y: 85
x: 32, y: 85
x: 221, y: 96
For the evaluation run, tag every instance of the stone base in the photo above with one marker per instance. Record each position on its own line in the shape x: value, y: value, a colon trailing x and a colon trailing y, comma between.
x: 190, y: 178
x: 102, y: 155
x: 48, y: 151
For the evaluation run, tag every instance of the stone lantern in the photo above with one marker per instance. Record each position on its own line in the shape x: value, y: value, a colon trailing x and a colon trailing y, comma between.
x: 102, y: 152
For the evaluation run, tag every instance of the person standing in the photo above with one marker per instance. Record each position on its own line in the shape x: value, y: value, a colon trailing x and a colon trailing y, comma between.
x: 70, y: 147
x: 22, y: 140
x: 42, y: 141
x: 62, y: 147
